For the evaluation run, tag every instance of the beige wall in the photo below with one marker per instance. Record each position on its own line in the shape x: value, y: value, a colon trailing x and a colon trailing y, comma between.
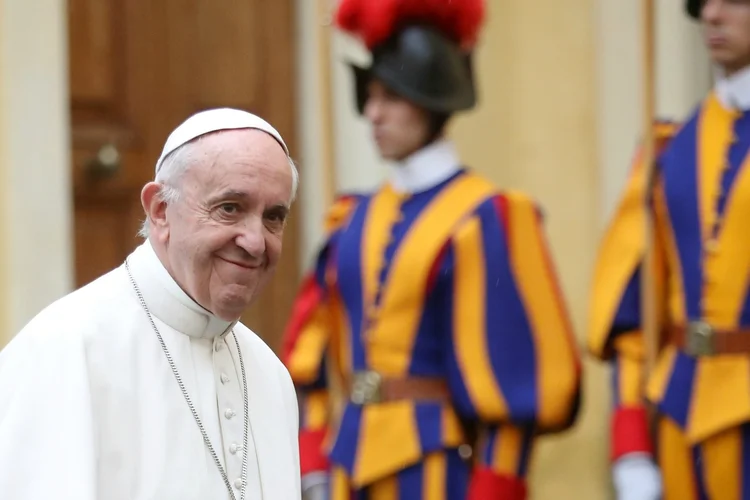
x: 35, y: 217
x: 559, y: 117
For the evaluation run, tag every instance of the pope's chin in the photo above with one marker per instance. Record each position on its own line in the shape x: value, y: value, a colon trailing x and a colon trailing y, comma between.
x: 232, y: 301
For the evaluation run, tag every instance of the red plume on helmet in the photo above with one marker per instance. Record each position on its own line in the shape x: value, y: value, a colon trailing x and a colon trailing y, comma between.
x: 376, y: 20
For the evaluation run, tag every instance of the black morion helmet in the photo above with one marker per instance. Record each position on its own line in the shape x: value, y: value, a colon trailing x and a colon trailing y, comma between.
x: 693, y: 8
x: 421, y: 65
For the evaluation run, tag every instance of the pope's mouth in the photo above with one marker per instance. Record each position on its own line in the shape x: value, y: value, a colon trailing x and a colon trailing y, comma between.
x: 239, y: 264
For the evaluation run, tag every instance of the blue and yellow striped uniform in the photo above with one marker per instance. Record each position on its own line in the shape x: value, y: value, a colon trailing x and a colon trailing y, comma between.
x: 456, y: 283
x: 701, y: 203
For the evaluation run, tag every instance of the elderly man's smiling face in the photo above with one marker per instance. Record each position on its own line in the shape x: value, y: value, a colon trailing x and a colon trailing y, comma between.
x: 222, y: 238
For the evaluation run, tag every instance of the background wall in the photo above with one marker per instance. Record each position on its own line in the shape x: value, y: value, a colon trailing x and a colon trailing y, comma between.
x: 36, y: 264
x: 559, y: 118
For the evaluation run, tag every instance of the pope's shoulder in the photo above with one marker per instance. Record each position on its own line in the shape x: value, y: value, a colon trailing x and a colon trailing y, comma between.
x: 70, y: 323
x: 91, y: 307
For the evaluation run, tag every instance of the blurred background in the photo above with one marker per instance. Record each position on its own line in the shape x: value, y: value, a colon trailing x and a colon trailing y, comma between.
x: 90, y: 89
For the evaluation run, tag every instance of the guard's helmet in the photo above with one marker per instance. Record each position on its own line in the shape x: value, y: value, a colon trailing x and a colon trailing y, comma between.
x: 421, y: 49
x: 693, y: 8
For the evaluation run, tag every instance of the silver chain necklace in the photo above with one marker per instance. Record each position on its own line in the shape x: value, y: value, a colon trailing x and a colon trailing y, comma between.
x: 190, y: 403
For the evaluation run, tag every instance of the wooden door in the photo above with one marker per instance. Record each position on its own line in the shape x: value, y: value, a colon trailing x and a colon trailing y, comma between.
x: 137, y: 69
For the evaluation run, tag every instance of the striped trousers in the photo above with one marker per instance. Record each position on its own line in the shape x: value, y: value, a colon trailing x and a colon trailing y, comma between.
x: 439, y: 476
x: 716, y: 469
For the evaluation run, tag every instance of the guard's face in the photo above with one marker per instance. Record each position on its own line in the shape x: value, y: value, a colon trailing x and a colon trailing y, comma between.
x: 399, y: 127
x: 726, y: 29
x: 223, y: 236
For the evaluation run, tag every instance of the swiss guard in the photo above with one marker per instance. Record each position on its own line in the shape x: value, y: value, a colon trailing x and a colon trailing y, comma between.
x: 682, y: 430
x: 433, y: 318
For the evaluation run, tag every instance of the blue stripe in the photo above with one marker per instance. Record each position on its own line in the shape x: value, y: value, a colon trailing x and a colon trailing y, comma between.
x: 411, y: 479
x: 429, y: 418
x: 457, y: 477
x: 679, y: 165
x: 491, y: 444
x: 676, y: 401
x: 745, y: 462
x: 510, y: 342
x: 349, y: 280
x: 428, y: 353
x: 628, y: 315
x: 411, y: 482
x: 344, y: 450
x: 461, y: 399
x: 700, y: 483
x: 411, y: 209
x: 736, y: 155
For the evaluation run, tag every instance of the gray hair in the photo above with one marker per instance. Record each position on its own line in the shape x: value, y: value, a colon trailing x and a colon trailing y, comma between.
x: 177, y: 163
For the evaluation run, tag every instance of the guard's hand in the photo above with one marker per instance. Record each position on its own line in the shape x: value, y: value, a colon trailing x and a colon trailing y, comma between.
x: 315, y: 486
x: 636, y: 477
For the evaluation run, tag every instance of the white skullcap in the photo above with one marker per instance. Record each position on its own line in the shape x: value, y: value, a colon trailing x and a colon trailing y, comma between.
x: 213, y: 120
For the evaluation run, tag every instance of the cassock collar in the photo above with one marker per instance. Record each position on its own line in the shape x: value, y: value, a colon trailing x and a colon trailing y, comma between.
x: 734, y: 91
x: 167, y: 301
x: 426, y: 168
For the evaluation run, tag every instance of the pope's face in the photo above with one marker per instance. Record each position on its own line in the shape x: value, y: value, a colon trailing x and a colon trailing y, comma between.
x: 223, y: 236
x: 726, y: 29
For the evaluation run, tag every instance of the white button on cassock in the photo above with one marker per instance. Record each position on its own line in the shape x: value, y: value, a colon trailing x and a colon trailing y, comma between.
x: 238, y: 483
x: 224, y: 378
x: 229, y: 413
x: 234, y: 448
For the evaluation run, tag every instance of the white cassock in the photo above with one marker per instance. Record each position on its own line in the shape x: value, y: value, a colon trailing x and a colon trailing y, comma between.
x: 90, y: 408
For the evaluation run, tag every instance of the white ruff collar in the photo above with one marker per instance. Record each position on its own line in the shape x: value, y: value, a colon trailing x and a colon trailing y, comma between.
x: 426, y: 168
x: 168, y: 302
x: 734, y: 91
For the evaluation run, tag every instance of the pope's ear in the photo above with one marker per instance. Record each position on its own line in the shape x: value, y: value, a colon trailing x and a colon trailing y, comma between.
x: 153, y: 204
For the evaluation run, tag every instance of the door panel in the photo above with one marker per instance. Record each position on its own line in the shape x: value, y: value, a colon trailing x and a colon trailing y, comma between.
x: 137, y: 69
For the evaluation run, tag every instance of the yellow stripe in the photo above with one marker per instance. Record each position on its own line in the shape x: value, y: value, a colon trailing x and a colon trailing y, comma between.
x: 451, y: 430
x: 721, y: 395
x: 306, y: 356
x: 340, y: 348
x: 316, y: 409
x: 630, y: 370
x: 434, y: 477
x: 666, y: 252
x: 714, y: 136
x: 381, y: 215
x: 619, y: 254
x: 676, y: 462
x: 381, y: 453
x: 536, y: 279
x: 722, y: 465
x: 403, y: 293
x: 384, y: 489
x: 727, y: 269
x: 340, y: 489
x: 621, y: 250
x: 507, y: 451
x: 469, y: 323
x: 659, y: 379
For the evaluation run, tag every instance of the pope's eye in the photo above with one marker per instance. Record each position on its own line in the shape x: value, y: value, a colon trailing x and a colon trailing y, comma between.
x: 228, y: 208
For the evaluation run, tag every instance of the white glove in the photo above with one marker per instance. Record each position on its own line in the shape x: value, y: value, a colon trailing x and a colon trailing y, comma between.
x: 315, y: 486
x: 636, y: 477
